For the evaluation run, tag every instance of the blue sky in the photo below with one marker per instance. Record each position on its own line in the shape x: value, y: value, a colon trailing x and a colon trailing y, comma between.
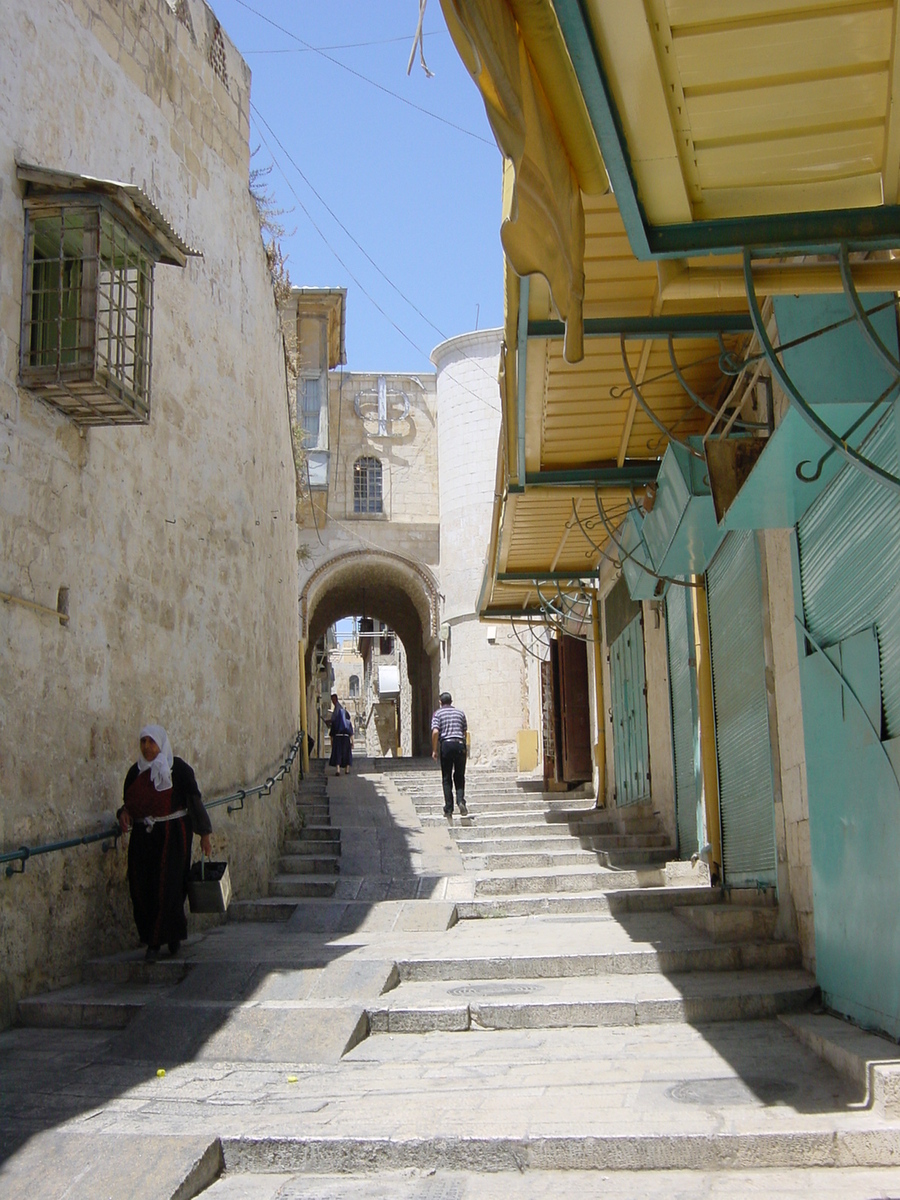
x: 419, y: 196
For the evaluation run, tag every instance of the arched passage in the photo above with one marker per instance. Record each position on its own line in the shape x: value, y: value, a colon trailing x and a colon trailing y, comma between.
x: 394, y: 590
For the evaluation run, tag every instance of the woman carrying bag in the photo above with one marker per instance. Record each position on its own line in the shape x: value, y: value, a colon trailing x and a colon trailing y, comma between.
x: 162, y: 808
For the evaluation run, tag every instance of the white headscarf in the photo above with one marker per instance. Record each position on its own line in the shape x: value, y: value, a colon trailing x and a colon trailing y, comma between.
x: 161, y: 767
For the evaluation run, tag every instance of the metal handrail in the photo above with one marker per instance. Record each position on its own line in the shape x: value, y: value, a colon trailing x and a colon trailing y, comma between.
x: 114, y: 832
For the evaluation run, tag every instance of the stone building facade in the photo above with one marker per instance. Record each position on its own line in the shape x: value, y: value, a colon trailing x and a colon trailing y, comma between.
x: 148, y: 567
x: 394, y: 527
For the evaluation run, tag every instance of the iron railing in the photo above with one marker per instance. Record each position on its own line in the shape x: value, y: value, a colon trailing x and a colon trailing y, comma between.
x: 109, y: 836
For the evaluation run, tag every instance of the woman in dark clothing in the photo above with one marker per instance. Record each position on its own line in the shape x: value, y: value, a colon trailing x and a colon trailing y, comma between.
x: 163, y: 809
x: 341, y: 728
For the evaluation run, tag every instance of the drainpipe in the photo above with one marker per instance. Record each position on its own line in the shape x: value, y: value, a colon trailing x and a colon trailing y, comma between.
x: 304, y: 745
x: 600, y: 748
x: 708, y: 760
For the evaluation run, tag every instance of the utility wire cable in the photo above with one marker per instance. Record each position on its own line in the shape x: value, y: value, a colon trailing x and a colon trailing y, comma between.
x: 381, y: 88
x: 340, y: 46
x: 361, y: 287
x: 259, y: 117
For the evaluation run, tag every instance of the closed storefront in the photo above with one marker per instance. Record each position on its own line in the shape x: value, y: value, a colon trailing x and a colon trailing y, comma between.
x: 628, y: 696
x: 848, y: 555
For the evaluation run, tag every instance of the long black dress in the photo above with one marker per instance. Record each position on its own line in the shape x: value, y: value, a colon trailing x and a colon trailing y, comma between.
x: 159, y: 857
x: 341, y: 728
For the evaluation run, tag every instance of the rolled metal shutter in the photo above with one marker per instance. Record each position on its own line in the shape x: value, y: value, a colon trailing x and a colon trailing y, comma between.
x: 631, y: 748
x: 682, y: 692
x: 743, y: 748
x: 850, y: 564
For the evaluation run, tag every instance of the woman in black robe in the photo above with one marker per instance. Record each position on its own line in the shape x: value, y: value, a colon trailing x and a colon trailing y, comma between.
x: 163, y: 809
x: 341, y: 728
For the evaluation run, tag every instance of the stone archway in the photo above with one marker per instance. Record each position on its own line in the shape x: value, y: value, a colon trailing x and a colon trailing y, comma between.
x: 392, y: 589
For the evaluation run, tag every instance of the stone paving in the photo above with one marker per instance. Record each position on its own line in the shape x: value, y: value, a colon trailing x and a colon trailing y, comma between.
x: 373, y: 1044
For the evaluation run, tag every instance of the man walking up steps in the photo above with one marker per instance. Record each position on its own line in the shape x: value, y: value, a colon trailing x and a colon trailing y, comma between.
x: 448, y: 746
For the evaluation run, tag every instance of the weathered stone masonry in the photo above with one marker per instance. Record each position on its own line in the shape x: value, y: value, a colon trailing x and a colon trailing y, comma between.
x: 174, y: 542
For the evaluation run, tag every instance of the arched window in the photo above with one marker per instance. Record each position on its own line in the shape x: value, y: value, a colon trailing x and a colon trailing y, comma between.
x: 354, y: 685
x: 367, y: 486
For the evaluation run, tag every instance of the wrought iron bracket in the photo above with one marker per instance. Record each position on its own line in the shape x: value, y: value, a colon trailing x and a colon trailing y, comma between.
x: 837, y: 444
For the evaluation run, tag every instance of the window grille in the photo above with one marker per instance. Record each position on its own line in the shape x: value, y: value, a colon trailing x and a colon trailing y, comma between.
x: 367, y: 486
x: 87, y: 313
x: 354, y: 685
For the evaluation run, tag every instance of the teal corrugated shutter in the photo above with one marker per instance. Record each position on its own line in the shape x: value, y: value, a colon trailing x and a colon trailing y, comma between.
x: 850, y: 564
x: 746, y: 795
x: 631, y: 752
x: 685, y: 732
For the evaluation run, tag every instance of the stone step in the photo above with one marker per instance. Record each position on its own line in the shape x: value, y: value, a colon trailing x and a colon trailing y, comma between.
x: 308, y: 864
x: 460, y: 1005
x: 302, y: 885
x: 615, y: 828
x: 479, y: 845
x: 749, y: 956
x: 575, y: 879
x: 313, y: 832
x: 491, y: 801
x: 89, y: 1005
x: 131, y: 967
x: 486, y: 828
x: 263, y: 908
x: 498, y: 1180
x: 300, y: 844
x: 625, y: 841
x: 472, y: 839
x: 548, y: 858
x: 596, y: 903
x: 637, y: 1164
x: 571, y: 858
x: 732, y: 922
x: 605, y: 816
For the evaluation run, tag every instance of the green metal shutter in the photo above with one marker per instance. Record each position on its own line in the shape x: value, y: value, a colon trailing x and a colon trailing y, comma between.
x: 685, y: 731
x: 746, y: 795
x: 850, y: 564
x: 631, y: 751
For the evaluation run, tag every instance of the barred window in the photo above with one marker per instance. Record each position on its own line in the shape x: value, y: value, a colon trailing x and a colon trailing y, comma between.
x: 367, y: 486
x: 87, y: 314
x: 354, y: 685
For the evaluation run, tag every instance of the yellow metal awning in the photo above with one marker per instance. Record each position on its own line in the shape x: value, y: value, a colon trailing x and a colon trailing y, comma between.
x: 720, y: 126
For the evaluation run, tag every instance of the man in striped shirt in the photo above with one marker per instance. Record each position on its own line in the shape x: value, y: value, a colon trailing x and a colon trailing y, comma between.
x: 448, y: 743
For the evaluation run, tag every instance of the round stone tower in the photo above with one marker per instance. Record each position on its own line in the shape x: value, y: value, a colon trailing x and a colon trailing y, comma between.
x: 482, y: 666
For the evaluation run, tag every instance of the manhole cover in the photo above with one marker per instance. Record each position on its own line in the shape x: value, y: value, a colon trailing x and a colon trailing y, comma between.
x: 714, y: 1092
x: 494, y: 989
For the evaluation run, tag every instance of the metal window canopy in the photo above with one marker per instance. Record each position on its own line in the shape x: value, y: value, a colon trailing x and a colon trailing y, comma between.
x: 103, y: 376
x: 130, y: 203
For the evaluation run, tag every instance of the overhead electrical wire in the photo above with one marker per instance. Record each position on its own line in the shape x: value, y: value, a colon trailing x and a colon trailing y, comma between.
x: 381, y: 88
x: 340, y: 46
x: 261, y: 120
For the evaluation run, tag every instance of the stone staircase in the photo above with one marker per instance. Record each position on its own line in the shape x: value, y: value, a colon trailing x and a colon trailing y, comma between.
x: 310, y: 856
x: 672, y: 953
x: 554, y: 1017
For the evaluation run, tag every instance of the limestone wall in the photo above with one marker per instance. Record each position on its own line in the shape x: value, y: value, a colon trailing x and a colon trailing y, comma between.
x: 487, y: 674
x: 176, y: 541
x: 791, y: 797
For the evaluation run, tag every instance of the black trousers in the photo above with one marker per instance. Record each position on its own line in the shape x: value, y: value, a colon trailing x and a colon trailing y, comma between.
x: 453, y: 769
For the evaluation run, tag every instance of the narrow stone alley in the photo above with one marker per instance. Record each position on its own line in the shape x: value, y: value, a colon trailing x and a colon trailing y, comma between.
x: 529, y: 1000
